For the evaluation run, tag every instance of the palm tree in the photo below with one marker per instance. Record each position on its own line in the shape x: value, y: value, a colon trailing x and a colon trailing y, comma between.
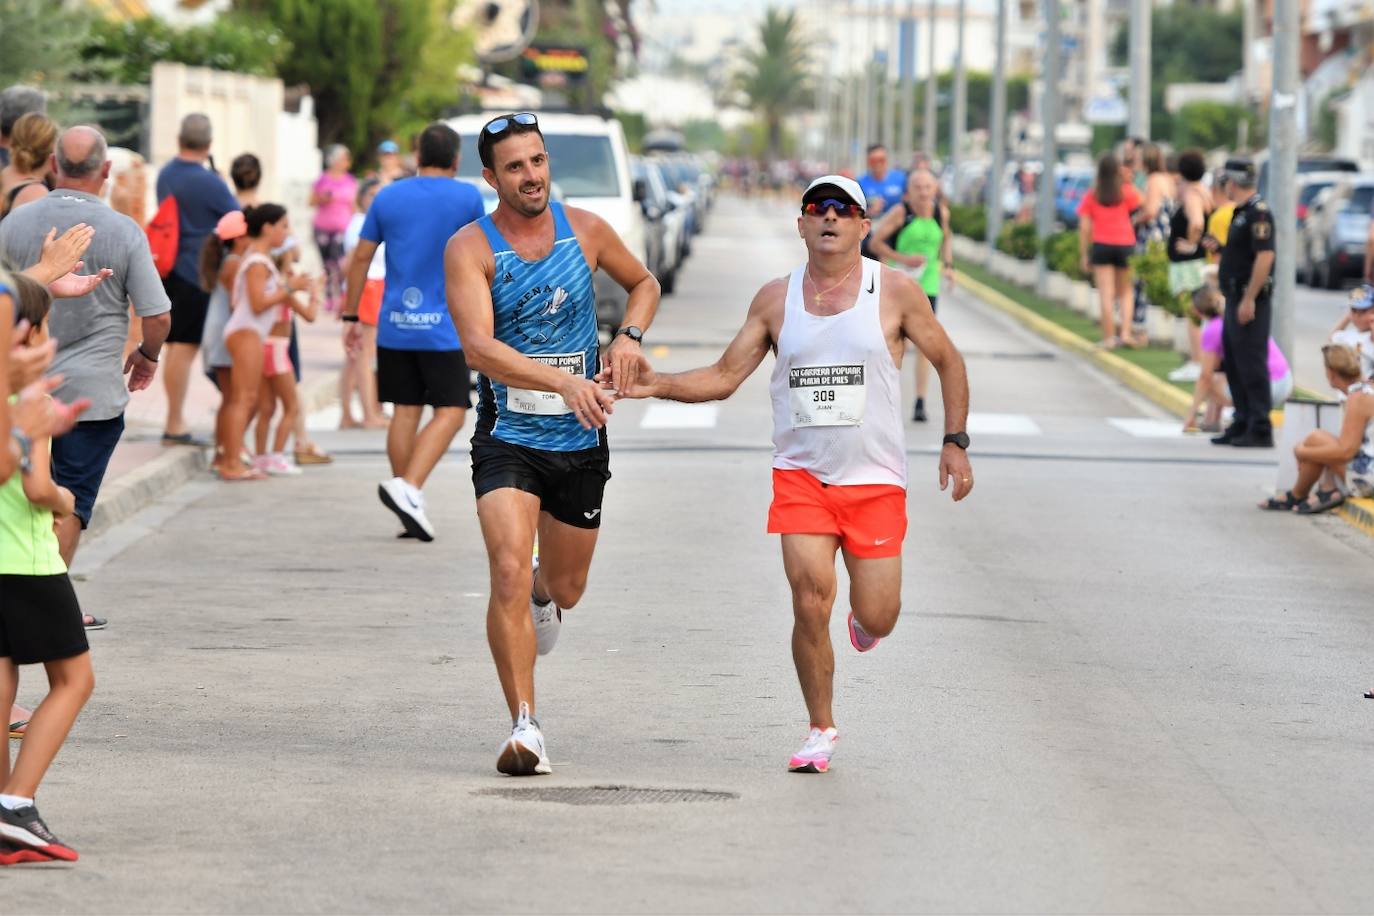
x: 776, y: 75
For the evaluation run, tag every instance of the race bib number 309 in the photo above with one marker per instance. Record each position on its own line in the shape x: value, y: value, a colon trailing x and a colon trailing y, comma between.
x: 547, y: 403
x: 826, y: 395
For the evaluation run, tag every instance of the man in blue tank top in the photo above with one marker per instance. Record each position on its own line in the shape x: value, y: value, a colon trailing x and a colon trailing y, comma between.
x: 520, y: 291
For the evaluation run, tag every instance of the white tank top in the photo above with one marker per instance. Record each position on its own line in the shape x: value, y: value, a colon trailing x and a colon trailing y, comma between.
x: 837, y: 395
x: 242, y: 317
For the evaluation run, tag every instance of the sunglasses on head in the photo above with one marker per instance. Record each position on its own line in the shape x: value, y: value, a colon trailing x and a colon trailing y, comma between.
x: 498, y: 126
x: 843, y: 208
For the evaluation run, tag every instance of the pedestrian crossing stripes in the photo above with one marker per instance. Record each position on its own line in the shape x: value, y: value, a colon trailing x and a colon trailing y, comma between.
x: 1001, y: 424
x: 680, y: 416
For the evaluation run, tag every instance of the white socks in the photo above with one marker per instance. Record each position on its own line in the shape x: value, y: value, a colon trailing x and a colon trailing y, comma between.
x: 13, y: 802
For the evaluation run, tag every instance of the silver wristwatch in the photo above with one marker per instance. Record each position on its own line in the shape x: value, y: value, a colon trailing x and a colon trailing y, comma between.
x: 25, y: 450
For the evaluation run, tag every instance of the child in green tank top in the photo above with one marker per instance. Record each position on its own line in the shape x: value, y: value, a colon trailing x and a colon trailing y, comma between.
x: 40, y: 623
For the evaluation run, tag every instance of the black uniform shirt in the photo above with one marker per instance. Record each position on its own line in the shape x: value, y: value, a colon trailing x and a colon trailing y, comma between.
x: 1252, y: 231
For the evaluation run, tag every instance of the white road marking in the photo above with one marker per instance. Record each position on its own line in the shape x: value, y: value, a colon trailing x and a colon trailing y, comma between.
x: 680, y: 416
x: 1002, y: 424
x: 1144, y: 428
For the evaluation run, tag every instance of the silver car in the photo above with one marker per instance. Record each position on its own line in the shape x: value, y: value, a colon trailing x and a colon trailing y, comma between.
x: 1336, y: 231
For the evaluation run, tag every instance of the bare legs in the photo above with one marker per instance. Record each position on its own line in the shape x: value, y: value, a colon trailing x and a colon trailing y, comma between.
x: 359, y: 376
x: 70, y: 682
x: 874, y: 596
x: 1115, y: 292
x: 279, y: 388
x: 1310, y: 473
x: 509, y: 519
x: 414, y: 452
x: 245, y: 349
x: 178, y: 359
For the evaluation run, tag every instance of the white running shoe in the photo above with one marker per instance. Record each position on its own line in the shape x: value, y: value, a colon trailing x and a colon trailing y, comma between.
x: 815, y: 754
x: 523, y: 753
x: 276, y: 464
x: 409, y: 506
x: 1188, y: 372
x: 548, y: 619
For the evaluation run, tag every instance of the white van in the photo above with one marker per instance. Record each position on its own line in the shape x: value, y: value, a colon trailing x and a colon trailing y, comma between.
x: 589, y: 161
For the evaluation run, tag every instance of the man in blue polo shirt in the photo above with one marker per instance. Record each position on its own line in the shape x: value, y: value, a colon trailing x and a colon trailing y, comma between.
x: 419, y: 357
x: 883, y: 187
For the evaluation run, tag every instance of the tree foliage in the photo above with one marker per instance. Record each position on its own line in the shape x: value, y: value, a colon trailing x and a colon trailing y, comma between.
x: 979, y: 104
x: 41, y: 42
x: 1190, y: 43
x: 125, y: 51
x: 1213, y: 125
x: 371, y: 65
x: 775, y: 77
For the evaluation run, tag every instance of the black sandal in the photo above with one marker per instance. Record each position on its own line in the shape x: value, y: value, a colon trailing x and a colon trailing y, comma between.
x: 1326, y: 501
x: 1287, y: 504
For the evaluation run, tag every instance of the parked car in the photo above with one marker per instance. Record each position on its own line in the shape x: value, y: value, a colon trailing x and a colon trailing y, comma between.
x: 590, y: 162
x: 1310, y: 186
x: 675, y: 242
x: 1072, y: 185
x: 683, y: 189
x: 1308, y: 164
x: 1337, y: 230
x: 654, y: 204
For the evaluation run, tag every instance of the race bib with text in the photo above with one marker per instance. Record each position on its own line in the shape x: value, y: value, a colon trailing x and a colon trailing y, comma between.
x: 547, y: 403
x: 826, y: 395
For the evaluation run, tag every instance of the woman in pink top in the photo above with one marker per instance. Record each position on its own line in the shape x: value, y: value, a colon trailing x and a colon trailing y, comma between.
x: 1211, y: 386
x: 332, y: 196
x: 1106, y: 241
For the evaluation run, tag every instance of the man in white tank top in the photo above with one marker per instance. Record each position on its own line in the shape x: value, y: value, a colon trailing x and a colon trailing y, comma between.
x: 839, y: 325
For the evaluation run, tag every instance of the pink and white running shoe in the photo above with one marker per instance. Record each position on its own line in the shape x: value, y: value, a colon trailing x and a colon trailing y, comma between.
x: 859, y: 639
x: 814, y: 756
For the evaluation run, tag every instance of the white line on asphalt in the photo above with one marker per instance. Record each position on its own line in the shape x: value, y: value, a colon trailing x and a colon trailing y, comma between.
x: 1002, y: 424
x: 1143, y: 428
x: 679, y: 416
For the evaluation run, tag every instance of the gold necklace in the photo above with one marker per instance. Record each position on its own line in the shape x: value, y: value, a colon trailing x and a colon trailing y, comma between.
x: 817, y: 287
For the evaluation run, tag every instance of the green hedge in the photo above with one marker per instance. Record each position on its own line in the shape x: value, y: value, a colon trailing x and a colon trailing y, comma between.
x: 1019, y: 240
x: 1061, y: 254
x: 1152, y: 268
x: 969, y: 220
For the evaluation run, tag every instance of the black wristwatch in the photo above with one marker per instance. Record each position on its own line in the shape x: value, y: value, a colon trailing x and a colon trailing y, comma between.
x: 631, y: 332
x: 960, y: 439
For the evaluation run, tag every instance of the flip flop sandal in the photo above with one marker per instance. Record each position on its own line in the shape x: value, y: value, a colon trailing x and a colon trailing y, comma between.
x: 245, y: 474
x: 1287, y: 504
x: 1321, y: 505
x: 17, y: 728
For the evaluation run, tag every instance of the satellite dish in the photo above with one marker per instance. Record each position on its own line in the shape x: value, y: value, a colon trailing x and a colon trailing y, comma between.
x: 501, y: 28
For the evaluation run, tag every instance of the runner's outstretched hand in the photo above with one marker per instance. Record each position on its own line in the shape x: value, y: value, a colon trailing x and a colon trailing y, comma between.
x: 641, y: 386
x: 589, y: 402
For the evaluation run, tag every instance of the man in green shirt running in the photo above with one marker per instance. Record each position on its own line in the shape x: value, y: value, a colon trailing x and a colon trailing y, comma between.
x: 916, y: 236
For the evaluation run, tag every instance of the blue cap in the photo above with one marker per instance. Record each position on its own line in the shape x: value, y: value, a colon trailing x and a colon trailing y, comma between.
x: 1362, y: 297
x: 388, y: 146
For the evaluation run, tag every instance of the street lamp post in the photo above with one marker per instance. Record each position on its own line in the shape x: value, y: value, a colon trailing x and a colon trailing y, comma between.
x: 1140, y: 68
x: 931, y: 132
x: 908, y: 77
x: 998, y: 128
x: 1283, y: 167
x: 959, y: 116
x: 1049, y: 115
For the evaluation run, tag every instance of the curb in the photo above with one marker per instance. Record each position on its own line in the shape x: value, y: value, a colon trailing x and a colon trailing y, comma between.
x: 1359, y: 514
x: 1132, y: 376
x: 128, y: 495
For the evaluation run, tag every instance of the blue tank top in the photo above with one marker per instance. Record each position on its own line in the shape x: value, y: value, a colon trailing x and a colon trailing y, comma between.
x: 546, y: 310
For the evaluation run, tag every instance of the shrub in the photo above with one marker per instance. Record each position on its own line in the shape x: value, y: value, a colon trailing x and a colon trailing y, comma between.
x: 968, y: 220
x: 1019, y: 240
x: 1061, y: 254
x: 1152, y: 268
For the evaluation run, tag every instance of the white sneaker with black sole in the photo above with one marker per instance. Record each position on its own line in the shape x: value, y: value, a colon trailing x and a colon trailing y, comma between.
x: 547, y: 617
x: 523, y: 753
x: 409, y: 505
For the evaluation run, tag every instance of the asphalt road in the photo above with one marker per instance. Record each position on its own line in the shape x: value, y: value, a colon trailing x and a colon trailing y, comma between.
x: 1316, y: 314
x: 1116, y: 685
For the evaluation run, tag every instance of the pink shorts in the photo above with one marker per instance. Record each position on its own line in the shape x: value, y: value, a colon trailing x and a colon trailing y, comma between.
x: 276, y: 357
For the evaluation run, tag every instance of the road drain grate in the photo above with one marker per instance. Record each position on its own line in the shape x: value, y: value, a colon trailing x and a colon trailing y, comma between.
x: 610, y: 795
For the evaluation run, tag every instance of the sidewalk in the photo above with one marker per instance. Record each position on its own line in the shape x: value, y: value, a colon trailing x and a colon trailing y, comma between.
x: 142, y: 468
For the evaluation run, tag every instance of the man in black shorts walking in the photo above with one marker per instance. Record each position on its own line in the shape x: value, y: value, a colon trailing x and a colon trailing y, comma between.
x: 419, y: 357
x: 520, y: 290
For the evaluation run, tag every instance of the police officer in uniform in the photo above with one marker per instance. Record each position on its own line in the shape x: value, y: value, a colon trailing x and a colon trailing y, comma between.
x: 1247, y: 262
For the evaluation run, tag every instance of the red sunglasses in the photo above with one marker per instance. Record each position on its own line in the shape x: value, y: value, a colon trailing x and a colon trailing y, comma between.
x: 843, y: 208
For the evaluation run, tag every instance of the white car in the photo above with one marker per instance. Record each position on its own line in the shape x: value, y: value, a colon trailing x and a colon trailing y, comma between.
x: 590, y: 162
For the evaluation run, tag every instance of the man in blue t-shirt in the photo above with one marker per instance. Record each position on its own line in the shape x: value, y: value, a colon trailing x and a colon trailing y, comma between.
x: 419, y: 357
x: 202, y: 198
x: 883, y: 187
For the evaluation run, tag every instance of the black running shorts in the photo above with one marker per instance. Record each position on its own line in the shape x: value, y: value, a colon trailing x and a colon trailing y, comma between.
x: 569, y: 484
x: 40, y: 619
x: 190, y: 305
x: 416, y: 378
x: 1103, y: 255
